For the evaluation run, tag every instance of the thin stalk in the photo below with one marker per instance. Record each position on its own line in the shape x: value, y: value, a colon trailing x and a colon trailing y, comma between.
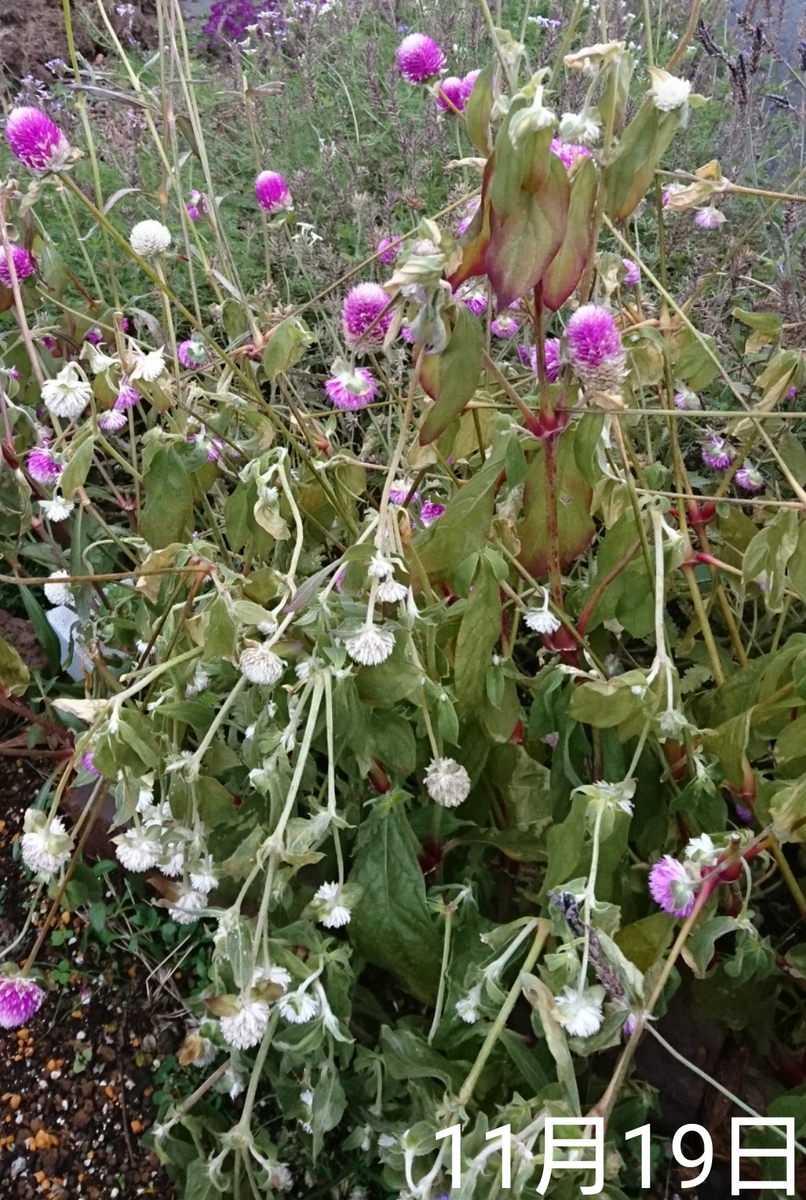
x: 443, y: 974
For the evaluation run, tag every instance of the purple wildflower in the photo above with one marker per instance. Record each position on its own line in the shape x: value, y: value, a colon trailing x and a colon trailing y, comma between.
x: 451, y: 94
x: 632, y: 275
x: 192, y: 212
x: 272, y: 192
x: 362, y: 307
x: 708, y: 218
x: 745, y: 815
x: 23, y: 264
x: 569, y: 152
x: 552, y: 350
x: 213, y: 446
x: 112, y: 421
x: 127, y: 396
x: 504, y: 326
x: 672, y: 887
x: 686, y: 400
x: 351, y: 389
x: 431, y: 511
x: 468, y: 84
x: 793, y: 391
x: 191, y: 354
x: 595, y: 350
x: 399, y: 491
x: 388, y: 252
x: 35, y: 140
x: 89, y: 765
x: 42, y: 466
x: 20, y: 998
x: 628, y: 1028
x: 717, y: 454
x: 475, y: 299
x: 419, y: 58
x: 94, y: 336
x: 750, y: 478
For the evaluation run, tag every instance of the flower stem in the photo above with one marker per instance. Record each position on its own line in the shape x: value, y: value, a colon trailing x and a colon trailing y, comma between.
x: 443, y: 974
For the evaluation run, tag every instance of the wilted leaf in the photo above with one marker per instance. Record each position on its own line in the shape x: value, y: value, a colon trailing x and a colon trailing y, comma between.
x: 565, y: 270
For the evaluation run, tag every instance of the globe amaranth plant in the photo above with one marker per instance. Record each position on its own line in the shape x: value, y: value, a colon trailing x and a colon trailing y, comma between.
x: 458, y: 720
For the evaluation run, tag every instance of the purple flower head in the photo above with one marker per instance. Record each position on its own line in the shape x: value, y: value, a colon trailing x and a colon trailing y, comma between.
x: 389, y: 252
x: 419, y: 58
x: 569, y: 152
x: 529, y: 358
x: 474, y: 298
x: 94, y: 336
x: 468, y: 84
x: 42, y: 466
x: 504, y: 326
x: 632, y: 275
x: 628, y: 1028
x: 192, y: 354
x: 594, y: 347
x: 23, y: 264
x: 431, y: 512
x: 686, y: 400
x: 35, y: 140
x: 272, y: 192
x: 351, y: 389
x: 708, y: 218
x: 192, y: 212
x: 470, y: 212
x: 20, y: 998
x: 793, y: 391
x: 127, y: 396
x: 745, y: 815
x: 89, y: 765
x: 451, y: 94
x: 112, y: 421
x: 750, y: 478
x: 399, y: 491
x: 717, y: 454
x: 362, y: 307
x: 212, y: 445
x: 672, y: 887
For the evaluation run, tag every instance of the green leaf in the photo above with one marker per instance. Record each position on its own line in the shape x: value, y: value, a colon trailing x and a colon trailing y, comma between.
x: 391, y: 681
x: 169, y: 500
x: 76, y: 471
x: 391, y: 924
x: 607, y: 703
x: 14, y: 675
x: 693, y: 364
x: 478, y: 634
x: 699, y: 949
x: 456, y: 375
x: 478, y: 108
x: 220, y: 633
x: 190, y: 712
x: 644, y: 941
x: 287, y: 344
x: 47, y: 638
x: 792, y: 451
x: 574, y: 525
x: 640, y: 149
x: 565, y: 270
x: 524, y: 243
x: 215, y: 802
x: 407, y: 1056
x: 391, y: 741
x: 327, y: 1106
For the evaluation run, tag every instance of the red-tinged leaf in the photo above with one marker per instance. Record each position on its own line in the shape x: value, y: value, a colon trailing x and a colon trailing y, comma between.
x: 522, y: 246
x: 478, y: 109
x: 524, y: 167
x: 643, y: 144
x: 453, y: 375
x: 475, y: 249
x: 574, y: 525
x: 565, y: 271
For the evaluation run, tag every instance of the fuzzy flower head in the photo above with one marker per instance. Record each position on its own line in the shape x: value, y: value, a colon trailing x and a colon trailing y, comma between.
x: 399, y: 491
x: 362, y: 308
x: 672, y: 887
x: 112, y: 421
x: 470, y: 212
x: 709, y: 218
x: 451, y: 94
x: 23, y: 263
x: 127, y: 397
x: 468, y: 83
x: 632, y: 273
x: 595, y: 349
x: 350, y: 388
x: 504, y: 326
x: 717, y: 454
x: 468, y: 1006
x: 68, y: 394
x: 46, y: 844
x: 192, y: 354
x: 330, y: 901
x: 246, y: 1028
x: 298, y: 1007
x: 42, y: 466
x: 136, y: 850
x: 272, y: 193
x: 388, y: 251
x: 20, y: 998
x: 750, y: 478
x: 580, y: 1012
x: 569, y: 153
x: 371, y: 646
x: 430, y: 511
x: 447, y: 782
x: 35, y: 140
x: 55, y: 591
x: 552, y: 352
x: 542, y: 620
x: 259, y: 664
x: 687, y: 400
x: 57, y: 509
x: 149, y: 238
x: 419, y: 58
x: 667, y: 91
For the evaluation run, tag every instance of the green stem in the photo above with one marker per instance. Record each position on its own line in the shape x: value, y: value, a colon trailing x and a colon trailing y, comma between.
x: 443, y: 975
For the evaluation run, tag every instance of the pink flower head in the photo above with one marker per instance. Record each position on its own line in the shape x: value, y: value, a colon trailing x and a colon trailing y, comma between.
x: 20, y: 998
x: 470, y: 212
x: 569, y: 152
x: 793, y: 391
x: 389, y: 252
x: 672, y: 887
x: 362, y: 307
x: 708, y: 218
x: 717, y: 454
x: 419, y: 58
x: 750, y: 478
x: 94, y: 336
x: 451, y: 94
x: 399, y: 491
x: 595, y: 349
x: 127, y: 396
x: 191, y: 354
x: 35, y: 140
x: 272, y: 192
x: 112, y: 421
x: 468, y: 83
x: 23, y: 264
x: 431, y: 512
x: 42, y: 466
x: 632, y: 275
x: 351, y: 389
x: 552, y: 349
x: 192, y: 212
x: 504, y: 326
x: 473, y: 298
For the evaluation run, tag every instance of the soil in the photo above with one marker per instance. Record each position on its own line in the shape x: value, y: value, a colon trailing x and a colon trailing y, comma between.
x: 76, y: 1085
x: 32, y: 31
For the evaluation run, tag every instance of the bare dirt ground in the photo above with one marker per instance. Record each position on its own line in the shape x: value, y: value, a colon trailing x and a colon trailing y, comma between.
x: 32, y: 31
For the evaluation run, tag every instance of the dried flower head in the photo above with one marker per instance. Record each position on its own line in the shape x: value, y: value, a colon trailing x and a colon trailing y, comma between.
x: 136, y: 850
x: 371, y: 646
x: 419, y: 58
x: 259, y: 664
x: 447, y: 782
x: 247, y: 1027
x: 46, y: 844
x: 35, y: 140
x: 709, y: 218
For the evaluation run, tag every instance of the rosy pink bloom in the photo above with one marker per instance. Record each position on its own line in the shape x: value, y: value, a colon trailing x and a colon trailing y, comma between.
x: 400, y: 490
x: 35, y: 140
x: 42, y: 466
x: 717, y: 454
x: 272, y: 192
x: 672, y: 887
x: 431, y: 512
x: 191, y: 354
x: 419, y: 58
x: 20, y: 998
x: 112, y: 421
x: 708, y: 218
x: 351, y: 390
x: 468, y: 83
x: 594, y: 347
x: 451, y: 94
x: 127, y: 396
x: 192, y: 211
x: 23, y: 264
x: 389, y: 251
x: 633, y: 275
x: 362, y: 307
x: 213, y: 445
x: 474, y: 299
x: 552, y: 358
x: 750, y: 478
x: 793, y: 391
x: 686, y: 400
x: 569, y: 152
x: 504, y: 326
x: 94, y: 336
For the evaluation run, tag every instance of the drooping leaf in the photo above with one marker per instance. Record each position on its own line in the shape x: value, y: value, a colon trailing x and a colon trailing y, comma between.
x: 457, y: 374
x: 574, y: 525
x: 565, y: 270
x: 287, y: 344
x: 474, y: 250
x: 478, y: 108
x: 632, y: 167
x: 169, y: 500
x: 14, y: 675
x: 478, y: 634
x: 77, y: 470
x: 523, y: 244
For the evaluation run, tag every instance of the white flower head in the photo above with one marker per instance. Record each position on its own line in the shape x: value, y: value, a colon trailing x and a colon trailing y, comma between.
x: 542, y: 620
x: 667, y: 91
x: 447, y: 782
x: 391, y: 592
x: 468, y: 1006
x: 136, y: 851
x: 68, y: 394
x: 148, y: 238
x: 380, y: 567
x: 172, y: 862
x: 56, y: 510
x: 148, y: 366
x: 271, y: 974
x: 298, y: 1007
x: 247, y: 1027
x: 187, y: 906
x: 46, y: 844
x: 259, y: 664
x: 55, y: 592
x: 702, y: 850
x: 203, y: 876
x: 332, y: 904
x: 580, y: 1012
x: 306, y: 1099
x: 371, y: 646
x: 280, y: 1178
x: 584, y: 127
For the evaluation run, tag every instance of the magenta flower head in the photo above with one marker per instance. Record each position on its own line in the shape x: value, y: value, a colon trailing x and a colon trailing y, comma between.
x: 272, y: 192
x: 594, y: 347
x: 389, y: 252
x: 750, y: 478
x: 23, y: 263
x: 349, y: 389
x: 20, y: 998
x: 94, y: 336
x: 361, y: 310
x: 468, y: 84
x: 569, y: 152
x: 470, y: 212
x: 419, y: 58
x: 632, y: 276
x: 451, y: 94
x: 192, y: 354
x: 89, y: 765
x: 35, y: 140
x: 127, y: 397
x: 504, y: 326
x: 112, y: 421
x: 431, y: 512
x: 672, y: 887
x: 42, y: 466
x: 717, y: 454
x: 553, y: 364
